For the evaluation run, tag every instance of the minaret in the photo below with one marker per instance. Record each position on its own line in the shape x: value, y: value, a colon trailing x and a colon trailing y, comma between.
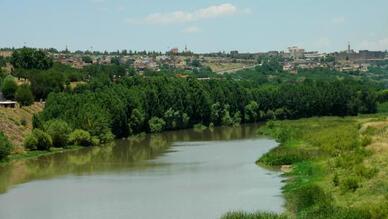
x: 349, y: 51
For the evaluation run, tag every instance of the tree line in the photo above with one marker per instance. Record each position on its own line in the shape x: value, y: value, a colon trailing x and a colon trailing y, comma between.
x: 154, y: 104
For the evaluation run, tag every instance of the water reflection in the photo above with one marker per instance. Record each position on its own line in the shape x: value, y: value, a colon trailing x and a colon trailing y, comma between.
x: 123, y: 155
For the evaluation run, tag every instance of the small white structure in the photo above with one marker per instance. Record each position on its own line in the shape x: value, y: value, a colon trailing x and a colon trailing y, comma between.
x: 8, y: 104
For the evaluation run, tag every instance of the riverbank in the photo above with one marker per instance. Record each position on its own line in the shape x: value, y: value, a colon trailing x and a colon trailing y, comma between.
x: 338, y: 166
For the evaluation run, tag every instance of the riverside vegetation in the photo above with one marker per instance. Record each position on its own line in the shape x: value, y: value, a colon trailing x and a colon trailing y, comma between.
x: 339, y: 167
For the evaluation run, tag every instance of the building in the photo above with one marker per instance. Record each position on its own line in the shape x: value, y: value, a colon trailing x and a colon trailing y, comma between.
x: 366, y: 54
x: 296, y: 52
x: 174, y: 51
x: 8, y: 104
x: 6, y: 53
x: 313, y: 55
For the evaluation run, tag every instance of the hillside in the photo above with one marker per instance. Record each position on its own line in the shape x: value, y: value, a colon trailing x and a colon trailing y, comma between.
x: 17, y: 123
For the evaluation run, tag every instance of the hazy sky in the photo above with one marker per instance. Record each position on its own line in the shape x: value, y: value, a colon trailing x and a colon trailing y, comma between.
x: 202, y: 25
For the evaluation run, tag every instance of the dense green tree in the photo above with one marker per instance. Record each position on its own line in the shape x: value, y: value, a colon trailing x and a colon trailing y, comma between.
x: 216, y: 113
x: 251, y: 111
x: 136, y: 121
x: 45, y: 82
x: 29, y: 58
x: 9, y: 87
x: 24, y: 95
x: 130, y: 105
x: 59, y: 132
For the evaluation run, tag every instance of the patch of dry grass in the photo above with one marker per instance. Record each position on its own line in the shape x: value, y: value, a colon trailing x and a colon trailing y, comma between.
x: 16, y: 123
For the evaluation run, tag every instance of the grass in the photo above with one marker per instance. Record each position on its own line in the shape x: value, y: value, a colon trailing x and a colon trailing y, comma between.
x: 339, y: 166
x: 16, y: 123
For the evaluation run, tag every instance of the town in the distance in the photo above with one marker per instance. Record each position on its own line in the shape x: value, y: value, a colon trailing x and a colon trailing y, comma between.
x: 292, y: 59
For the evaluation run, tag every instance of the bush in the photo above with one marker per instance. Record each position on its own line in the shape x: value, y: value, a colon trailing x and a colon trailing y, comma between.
x: 59, y: 131
x: 350, y: 183
x: 308, y: 196
x: 23, y: 122
x: 5, y: 146
x: 24, y: 95
x: 9, y: 87
x: 31, y: 142
x: 105, y: 137
x: 80, y: 137
x: 38, y: 140
x: 156, y: 124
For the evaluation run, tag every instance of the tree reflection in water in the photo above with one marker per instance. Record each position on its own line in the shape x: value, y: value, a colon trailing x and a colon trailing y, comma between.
x: 122, y: 155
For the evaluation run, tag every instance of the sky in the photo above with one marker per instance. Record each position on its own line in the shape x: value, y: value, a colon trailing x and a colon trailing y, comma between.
x: 202, y: 25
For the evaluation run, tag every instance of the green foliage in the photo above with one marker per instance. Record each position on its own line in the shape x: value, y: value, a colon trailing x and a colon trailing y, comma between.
x: 237, y: 119
x: 227, y: 120
x: 350, y: 183
x: 9, y: 87
x: 251, y: 112
x: 29, y: 58
x: 38, y: 140
x: 382, y: 107
x: 80, y: 138
x: 24, y: 95
x: 5, y: 146
x: 59, y: 131
x: 45, y: 82
x: 126, y: 106
x: 87, y: 59
x: 307, y: 196
x: 156, y: 124
x: 136, y: 121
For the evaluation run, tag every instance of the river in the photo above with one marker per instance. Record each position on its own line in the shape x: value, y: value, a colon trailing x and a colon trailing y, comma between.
x: 173, y: 175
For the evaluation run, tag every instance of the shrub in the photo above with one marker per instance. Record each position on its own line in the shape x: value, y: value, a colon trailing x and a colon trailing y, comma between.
x: 199, y: 127
x: 23, y: 122
x: 156, y: 124
x: 226, y: 119
x: 237, y: 118
x: 105, y: 137
x: 37, y: 121
x: 5, y: 146
x: 38, y: 140
x: 59, y: 131
x: 308, y: 196
x: 9, y: 87
x: 31, y: 142
x: 24, y: 95
x: 80, y: 137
